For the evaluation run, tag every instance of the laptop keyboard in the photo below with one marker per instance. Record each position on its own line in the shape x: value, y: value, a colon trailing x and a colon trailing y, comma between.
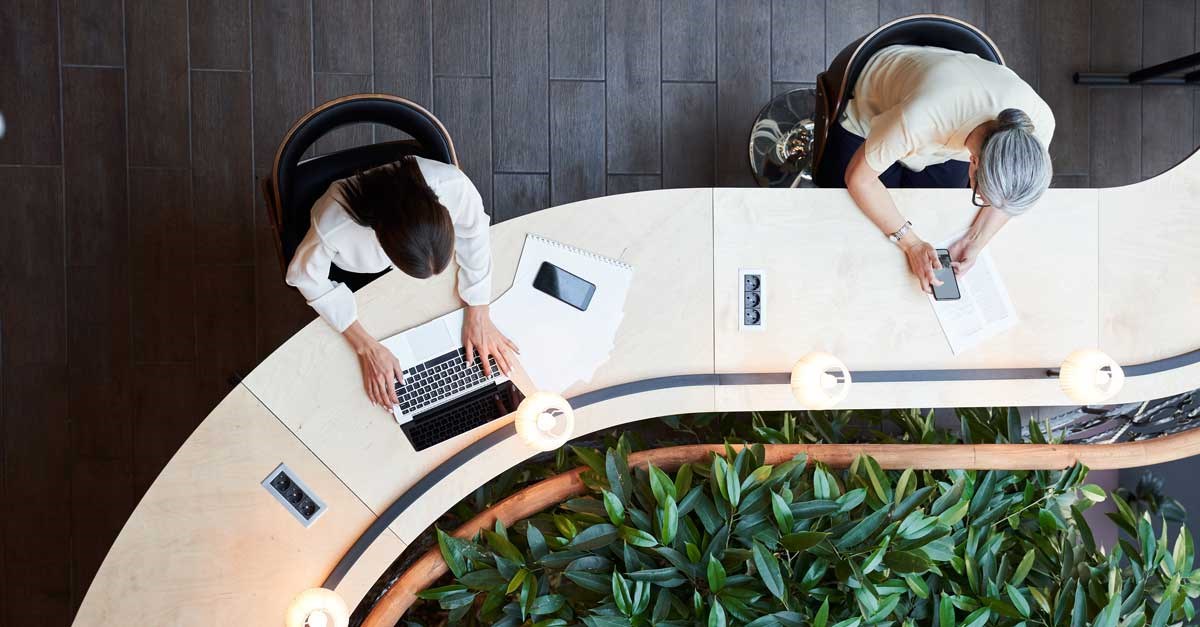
x: 459, y: 417
x: 440, y: 378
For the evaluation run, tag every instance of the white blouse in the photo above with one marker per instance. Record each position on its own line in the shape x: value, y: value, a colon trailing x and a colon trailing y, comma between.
x: 335, y: 238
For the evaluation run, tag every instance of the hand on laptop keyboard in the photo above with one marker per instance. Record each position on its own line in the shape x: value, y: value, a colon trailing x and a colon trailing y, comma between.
x: 482, y: 337
x: 380, y: 368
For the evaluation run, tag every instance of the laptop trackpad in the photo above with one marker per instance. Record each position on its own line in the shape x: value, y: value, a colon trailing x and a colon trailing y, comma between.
x: 430, y: 340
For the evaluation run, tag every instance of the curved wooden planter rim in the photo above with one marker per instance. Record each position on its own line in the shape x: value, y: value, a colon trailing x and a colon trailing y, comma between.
x: 550, y: 492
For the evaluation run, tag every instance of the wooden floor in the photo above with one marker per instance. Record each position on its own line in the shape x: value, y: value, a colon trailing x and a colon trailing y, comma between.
x: 137, y: 268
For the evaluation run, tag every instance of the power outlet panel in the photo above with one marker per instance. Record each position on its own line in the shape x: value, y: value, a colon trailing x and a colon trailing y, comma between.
x: 294, y: 495
x: 752, y: 289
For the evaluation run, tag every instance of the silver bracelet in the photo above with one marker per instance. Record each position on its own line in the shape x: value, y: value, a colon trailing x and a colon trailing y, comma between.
x: 900, y: 232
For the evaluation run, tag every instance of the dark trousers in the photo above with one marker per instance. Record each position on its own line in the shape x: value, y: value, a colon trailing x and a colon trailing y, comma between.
x: 842, y: 145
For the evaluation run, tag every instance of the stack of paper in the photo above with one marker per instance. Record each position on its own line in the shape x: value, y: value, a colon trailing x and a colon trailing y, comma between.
x: 559, y: 344
x: 984, y: 311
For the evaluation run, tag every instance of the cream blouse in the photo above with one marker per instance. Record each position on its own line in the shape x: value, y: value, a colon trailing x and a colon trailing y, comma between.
x: 335, y: 238
x: 917, y: 104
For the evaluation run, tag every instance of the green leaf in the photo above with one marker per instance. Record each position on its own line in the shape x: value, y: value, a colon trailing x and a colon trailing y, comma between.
x: 637, y: 537
x: 452, y: 553
x: 1018, y: 600
x: 547, y: 604
x: 516, y: 581
x: 503, y: 546
x: 850, y: 500
x: 904, y: 507
x: 879, y: 480
x: 983, y: 493
x: 862, y: 530
x: 1094, y: 493
x: 716, y: 615
x: 805, y: 510
x: 434, y: 594
x: 683, y: 480
x: 783, y: 515
x: 661, y: 485
x: 537, y: 542
x: 1014, y: 426
x: 655, y: 575
x: 978, y: 618
x: 612, y: 505
x: 670, y: 521
x: 1024, y: 567
x: 948, y: 498
x: 484, y: 579
x: 1085, y: 531
x: 1162, y: 614
x: 905, y: 562
x: 590, y: 581
x: 768, y: 570
x: 803, y: 540
x: 620, y: 594
x: 849, y: 622
x: 732, y: 485
x: 1079, y: 612
x: 590, y: 458
x: 822, y: 617
x: 946, y: 612
x: 955, y: 514
x: 594, y: 537
x: 756, y: 477
x: 917, y: 585
x: 716, y: 574
x: 902, y: 485
x: 616, y: 468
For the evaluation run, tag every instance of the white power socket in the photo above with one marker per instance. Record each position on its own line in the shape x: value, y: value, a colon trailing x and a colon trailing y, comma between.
x: 752, y: 289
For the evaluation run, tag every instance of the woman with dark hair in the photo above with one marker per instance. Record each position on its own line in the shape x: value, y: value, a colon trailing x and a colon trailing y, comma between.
x: 413, y: 214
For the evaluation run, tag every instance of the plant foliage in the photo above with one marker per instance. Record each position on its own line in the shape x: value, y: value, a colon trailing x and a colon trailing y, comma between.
x: 736, y: 541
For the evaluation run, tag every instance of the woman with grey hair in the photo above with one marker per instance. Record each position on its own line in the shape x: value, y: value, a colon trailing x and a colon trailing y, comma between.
x: 930, y: 117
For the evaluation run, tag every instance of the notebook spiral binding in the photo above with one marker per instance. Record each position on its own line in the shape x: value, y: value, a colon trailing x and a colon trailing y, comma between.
x: 581, y: 251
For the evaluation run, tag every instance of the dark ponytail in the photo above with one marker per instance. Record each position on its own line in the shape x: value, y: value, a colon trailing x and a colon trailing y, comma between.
x: 413, y: 228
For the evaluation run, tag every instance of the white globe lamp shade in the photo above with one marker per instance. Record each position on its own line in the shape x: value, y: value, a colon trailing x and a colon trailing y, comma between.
x: 1089, y: 376
x: 820, y: 381
x: 545, y: 421
x: 318, y: 607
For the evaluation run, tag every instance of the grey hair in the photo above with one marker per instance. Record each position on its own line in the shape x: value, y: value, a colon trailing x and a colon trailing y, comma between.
x: 1014, y: 169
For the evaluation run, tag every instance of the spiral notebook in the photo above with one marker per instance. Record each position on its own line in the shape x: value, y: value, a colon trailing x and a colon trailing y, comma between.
x: 561, y: 345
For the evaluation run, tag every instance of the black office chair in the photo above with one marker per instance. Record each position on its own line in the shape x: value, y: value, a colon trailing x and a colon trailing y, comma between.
x: 835, y: 86
x: 295, y: 183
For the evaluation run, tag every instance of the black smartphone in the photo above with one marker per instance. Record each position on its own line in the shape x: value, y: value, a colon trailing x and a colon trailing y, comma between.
x: 948, y: 290
x: 564, y: 286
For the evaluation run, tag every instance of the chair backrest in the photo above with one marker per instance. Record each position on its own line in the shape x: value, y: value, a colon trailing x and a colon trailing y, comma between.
x: 295, y: 183
x: 835, y: 86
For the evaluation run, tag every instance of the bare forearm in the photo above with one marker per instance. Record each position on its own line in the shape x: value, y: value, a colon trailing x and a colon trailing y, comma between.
x: 872, y: 198
x: 876, y: 203
x: 987, y: 223
x: 358, y: 337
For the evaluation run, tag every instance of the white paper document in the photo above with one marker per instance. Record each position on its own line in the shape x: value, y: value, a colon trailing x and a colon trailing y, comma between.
x: 984, y: 311
x: 559, y: 344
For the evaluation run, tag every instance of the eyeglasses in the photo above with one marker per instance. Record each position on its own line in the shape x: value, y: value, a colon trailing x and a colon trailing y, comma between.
x: 978, y: 200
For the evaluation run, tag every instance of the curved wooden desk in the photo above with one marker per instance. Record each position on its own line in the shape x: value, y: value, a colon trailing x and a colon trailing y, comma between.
x: 1112, y: 268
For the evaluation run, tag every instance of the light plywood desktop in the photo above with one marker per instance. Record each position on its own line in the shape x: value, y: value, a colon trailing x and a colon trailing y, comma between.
x: 1113, y: 269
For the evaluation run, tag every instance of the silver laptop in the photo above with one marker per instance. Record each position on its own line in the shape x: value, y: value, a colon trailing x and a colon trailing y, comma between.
x: 435, y: 373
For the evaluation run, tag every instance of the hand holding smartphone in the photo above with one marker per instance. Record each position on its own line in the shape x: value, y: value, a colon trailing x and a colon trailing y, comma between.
x: 948, y: 290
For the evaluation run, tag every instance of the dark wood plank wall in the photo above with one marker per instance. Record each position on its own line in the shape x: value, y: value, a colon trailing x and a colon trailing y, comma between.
x: 140, y: 276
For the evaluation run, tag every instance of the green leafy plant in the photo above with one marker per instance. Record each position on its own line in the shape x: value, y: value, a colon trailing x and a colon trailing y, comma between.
x: 735, y: 541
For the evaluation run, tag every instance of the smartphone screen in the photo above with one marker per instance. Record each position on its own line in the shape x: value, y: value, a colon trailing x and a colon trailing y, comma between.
x: 564, y: 286
x: 948, y: 290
